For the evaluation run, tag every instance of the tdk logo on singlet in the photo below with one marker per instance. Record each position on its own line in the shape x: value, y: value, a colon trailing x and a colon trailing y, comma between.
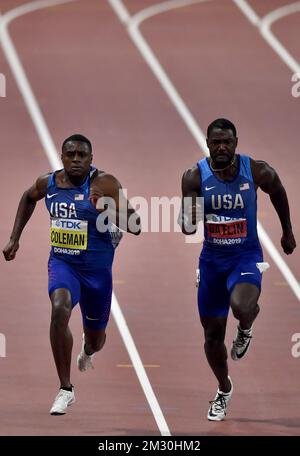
x: 227, y: 201
x: 68, y: 224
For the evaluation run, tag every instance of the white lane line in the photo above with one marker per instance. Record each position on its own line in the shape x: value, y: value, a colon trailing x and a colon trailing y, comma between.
x: 120, y: 10
x: 140, y: 370
x: 21, y: 79
x: 265, y: 28
x: 26, y: 8
x: 278, y: 260
x: 153, y: 10
x: 153, y: 62
x: 160, y: 8
x: 191, y: 123
x: 248, y: 11
x: 48, y: 144
x: 264, y: 25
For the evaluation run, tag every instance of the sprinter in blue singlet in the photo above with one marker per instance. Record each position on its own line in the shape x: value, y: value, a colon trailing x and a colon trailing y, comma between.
x: 81, y: 257
x: 231, y: 261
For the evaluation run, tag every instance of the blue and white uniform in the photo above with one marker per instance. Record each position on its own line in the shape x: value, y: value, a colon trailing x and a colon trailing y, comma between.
x: 81, y: 257
x: 231, y: 252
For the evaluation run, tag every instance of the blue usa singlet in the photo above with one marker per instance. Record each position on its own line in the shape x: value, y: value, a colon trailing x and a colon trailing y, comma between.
x: 73, y: 231
x: 229, y: 209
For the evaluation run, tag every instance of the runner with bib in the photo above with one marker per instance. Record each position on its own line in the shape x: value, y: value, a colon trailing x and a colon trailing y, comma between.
x: 231, y: 262
x: 81, y: 257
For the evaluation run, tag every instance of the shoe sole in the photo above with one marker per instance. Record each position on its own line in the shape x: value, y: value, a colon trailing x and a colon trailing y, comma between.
x: 61, y: 413
x: 215, y: 419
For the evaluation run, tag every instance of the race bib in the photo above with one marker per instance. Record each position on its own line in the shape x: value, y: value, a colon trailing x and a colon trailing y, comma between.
x: 69, y: 234
x: 225, y: 230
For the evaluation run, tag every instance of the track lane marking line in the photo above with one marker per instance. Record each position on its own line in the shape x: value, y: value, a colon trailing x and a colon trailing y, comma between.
x: 264, y: 25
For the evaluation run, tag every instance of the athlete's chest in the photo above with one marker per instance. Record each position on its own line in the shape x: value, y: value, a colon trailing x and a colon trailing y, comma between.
x: 69, y: 204
x: 228, y: 196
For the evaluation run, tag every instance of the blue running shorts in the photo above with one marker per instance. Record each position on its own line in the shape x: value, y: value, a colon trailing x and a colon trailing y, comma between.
x: 90, y: 286
x: 219, y: 275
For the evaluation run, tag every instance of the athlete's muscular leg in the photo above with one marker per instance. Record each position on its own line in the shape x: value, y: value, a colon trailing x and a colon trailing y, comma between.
x: 243, y: 302
x: 60, y: 334
x: 94, y: 340
x: 215, y: 349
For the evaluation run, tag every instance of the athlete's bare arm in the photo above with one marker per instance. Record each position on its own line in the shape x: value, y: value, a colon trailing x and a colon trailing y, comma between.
x: 25, y: 210
x: 190, y: 210
x: 106, y: 185
x: 266, y: 178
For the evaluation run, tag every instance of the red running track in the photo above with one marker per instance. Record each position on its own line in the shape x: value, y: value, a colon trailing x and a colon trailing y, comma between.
x: 88, y: 76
